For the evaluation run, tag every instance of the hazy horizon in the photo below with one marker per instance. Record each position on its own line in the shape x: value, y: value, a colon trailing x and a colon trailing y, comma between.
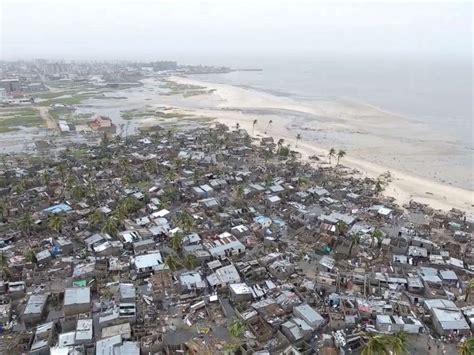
x: 203, y: 32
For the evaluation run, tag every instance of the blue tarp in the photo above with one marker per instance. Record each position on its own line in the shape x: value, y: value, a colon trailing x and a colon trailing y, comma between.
x: 61, y: 208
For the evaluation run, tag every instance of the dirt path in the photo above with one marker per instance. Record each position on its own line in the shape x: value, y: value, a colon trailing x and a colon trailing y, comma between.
x: 49, y: 121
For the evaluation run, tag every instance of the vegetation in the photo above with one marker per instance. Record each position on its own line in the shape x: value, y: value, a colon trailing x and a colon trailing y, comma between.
x: 340, y: 154
x: 386, y: 345
x: 467, y: 348
x: 237, y: 328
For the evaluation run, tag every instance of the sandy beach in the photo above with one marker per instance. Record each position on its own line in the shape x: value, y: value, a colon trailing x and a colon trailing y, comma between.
x: 373, y: 139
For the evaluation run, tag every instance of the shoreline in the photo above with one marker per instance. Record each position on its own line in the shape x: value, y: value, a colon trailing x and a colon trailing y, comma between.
x: 404, y: 186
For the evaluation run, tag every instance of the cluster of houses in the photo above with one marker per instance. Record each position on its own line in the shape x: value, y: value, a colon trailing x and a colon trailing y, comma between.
x: 204, y: 241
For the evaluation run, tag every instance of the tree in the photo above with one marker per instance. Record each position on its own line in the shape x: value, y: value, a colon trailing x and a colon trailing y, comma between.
x: 185, y: 221
x: 96, y: 218
x: 340, y: 155
x: 4, y: 269
x: 399, y: 343
x: 237, y: 126
x: 354, y: 241
x: 172, y: 263
x: 176, y: 242
x: 268, y: 126
x: 26, y: 224
x: 110, y: 226
x: 298, y: 138
x: 342, y: 227
x: 240, y: 192
x: 467, y: 348
x: 30, y: 256
x: 253, y: 125
x: 3, y: 210
x: 377, y: 345
x: 46, y: 178
x: 469, y: 288
x: 237, y: 328
x: 377, y: 234
x: 56, y: 222
x: 280, y: 144
x: 332, y: 154
x: 189, y: 262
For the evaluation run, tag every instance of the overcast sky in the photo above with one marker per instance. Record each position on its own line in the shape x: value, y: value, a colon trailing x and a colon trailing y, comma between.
x: 183, y: 30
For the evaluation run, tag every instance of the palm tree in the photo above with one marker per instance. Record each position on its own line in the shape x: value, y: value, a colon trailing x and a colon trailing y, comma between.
x: 377, y: 345
x: 26, y: 224
x: 96, y: 218
x: 4, y: 269
x: 189, y: 262
x: 185, y: 221
x: 172, y: 263
x: 30, y: 256
x: 342, y: 227
x: 298, y: 138
x: 240, y: 192
x: 55, y: 222
x: 399, y: 343
x: 46, y: 178
x: 332, y: 154
x: 340, y: 154
x: 354, y: 241
x: 280, y: 144
x: 237, y: 328
x: 177, y: 242
x: 268, y: 126
x: 467, y: 348
x: 377, y: 234
x: 469, y: 288
x: 110, y: 226
x: 237, y: 126
x: 253, y: 125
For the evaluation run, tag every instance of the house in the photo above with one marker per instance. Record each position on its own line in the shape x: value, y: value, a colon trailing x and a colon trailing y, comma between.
x: 309, y: 315
x: 448, y: 277
x: 191, y: 281
x: 127, y: 292
x: 35, y: 308
x: 149, y: 262
x: 101, y: 123
x: 116, y: 345
x: 281, y: 269
x: 272, y: 201
x: 225, y: 245
x: 77, y: 300
x: 449, y: 321
x: 240, y: 292
x: 296, y: 330
x: 43, y: 339
x: 224, y: 276
x: 84, y: 331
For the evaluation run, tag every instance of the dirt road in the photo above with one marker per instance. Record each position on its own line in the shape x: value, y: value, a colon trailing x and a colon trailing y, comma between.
x: 49, y: 121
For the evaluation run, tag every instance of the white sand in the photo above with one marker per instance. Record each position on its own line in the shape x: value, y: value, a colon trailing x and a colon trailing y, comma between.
x: 346, y: 116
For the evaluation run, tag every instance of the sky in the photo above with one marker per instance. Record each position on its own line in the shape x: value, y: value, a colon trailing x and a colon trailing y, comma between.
x: 193, y: 29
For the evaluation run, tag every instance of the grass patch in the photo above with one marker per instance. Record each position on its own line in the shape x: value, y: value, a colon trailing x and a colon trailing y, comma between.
x: 71, y: 101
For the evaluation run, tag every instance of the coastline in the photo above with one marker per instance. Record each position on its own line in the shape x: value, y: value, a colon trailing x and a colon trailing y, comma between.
x: 227, y: 103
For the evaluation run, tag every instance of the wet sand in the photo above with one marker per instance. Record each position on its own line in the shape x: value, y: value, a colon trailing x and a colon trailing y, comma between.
x: 375, y: 141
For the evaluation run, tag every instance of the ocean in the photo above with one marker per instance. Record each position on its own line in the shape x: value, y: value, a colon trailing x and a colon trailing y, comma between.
x: 435, y: 90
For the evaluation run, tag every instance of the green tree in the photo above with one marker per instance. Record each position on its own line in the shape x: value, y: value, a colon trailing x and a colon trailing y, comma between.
x: 189, y: 262
x: 4, y: 269
x: 172, y: 262
x: 237, y: 328
x: 399, y: 343
x: 253, y: 125
x: 30, y: 256
x: 469, y: 288
x: 185, y: 221
x: 56, y: 222
x: 332, y: 154
x: 340, y: 155
x: 96, y: 218
x: 376, y: 235
x: 467, y: 348
x: 377, y: 345
x: 26, y: 224
x: 176, y: 242
x: 342, y: 227
x: 354, y: 241
x: 111, y: 226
